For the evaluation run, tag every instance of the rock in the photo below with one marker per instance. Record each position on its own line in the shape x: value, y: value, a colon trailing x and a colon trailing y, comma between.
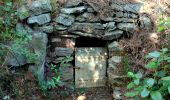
x: 68, y: 75
x: 87, y: 29
x: 40, y: 19
x: 114, y: 61
x: 39, y: 46
x: 125, y: 20
x: 88, y: 17
x: 45, y: 28
x: 134, y: 8
x: 90, y: 10
x: 112, y: 35
x: 107, y: 19
x: 145, y: 22
x: 129, y: 27
x: 59, y: 51
x: 16, y: 60
x: 65, y: 20
x: 82, y: 97
x: 117, y: 95
x: 114, y: 48
x: 73, y: 10
x: 60, y: 27
x: 39, y: 7
x: 110, y: 26
x: 126, y: 15
x: 23, y: 12
x: 73, y: 3
x: 20, y: 28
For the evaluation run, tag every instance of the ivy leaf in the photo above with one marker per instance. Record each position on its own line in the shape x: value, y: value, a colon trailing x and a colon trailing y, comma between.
x: 154, y: 54
x: 138, y: 75
x: 160, y: 73
x: 145, y: 92
x: 161, y: 29
x: 156, y: 95
x: 150, y: 82
x: 166, y: 78
x: 169, y: 89
x: 152, y: 65
x: 130, y: 85
x: 131, y: 94
x: 136, y: 81
x: 130, y: 74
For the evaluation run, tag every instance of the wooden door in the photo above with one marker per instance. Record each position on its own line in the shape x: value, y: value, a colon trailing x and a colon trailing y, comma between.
x: 90, y: 66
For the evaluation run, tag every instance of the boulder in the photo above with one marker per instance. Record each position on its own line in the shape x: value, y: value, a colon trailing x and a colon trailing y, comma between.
x: 59, y: 51
x: 39, y: 7
x: 65, y: 20
x: 73, y: 10
x: 112, y: 35
x: 40, y: 19
x: 129, y: 27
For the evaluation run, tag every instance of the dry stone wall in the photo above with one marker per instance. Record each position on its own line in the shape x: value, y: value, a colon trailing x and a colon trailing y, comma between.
x: 77, y: 18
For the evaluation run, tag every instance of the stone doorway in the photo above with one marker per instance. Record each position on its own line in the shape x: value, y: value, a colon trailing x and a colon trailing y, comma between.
x: 90, y: 62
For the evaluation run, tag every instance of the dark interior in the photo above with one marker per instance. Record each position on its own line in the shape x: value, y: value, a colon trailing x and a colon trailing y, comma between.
x: 90, y: 42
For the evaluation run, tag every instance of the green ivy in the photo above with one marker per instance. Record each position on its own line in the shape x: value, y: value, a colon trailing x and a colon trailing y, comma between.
x: 155, y: 85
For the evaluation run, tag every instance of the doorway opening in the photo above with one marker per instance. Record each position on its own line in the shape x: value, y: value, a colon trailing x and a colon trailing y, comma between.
x: 90, y: 62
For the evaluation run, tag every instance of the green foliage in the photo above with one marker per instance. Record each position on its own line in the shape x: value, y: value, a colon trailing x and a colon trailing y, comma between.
x: 58, y: 72
x: 12, y: 42
x: 156, y: 84
x: 164, y: 24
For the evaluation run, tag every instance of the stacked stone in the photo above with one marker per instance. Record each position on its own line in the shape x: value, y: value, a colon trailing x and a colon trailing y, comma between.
x: 38, y: 18
x: 64, y: 50
x: 79, y: 19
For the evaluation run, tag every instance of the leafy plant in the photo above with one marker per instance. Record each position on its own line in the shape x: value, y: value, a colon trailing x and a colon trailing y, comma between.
x: 56, y: 81
x: 156, y: 84
x: 12, y: 41
x: 164, y: 24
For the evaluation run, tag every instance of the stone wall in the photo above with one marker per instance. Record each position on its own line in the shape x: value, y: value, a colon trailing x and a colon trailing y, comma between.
x: 77, y: 18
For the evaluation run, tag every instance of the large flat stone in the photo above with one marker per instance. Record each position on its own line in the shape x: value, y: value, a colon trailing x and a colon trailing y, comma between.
x: 87, y: 29
x: 40, y: 19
